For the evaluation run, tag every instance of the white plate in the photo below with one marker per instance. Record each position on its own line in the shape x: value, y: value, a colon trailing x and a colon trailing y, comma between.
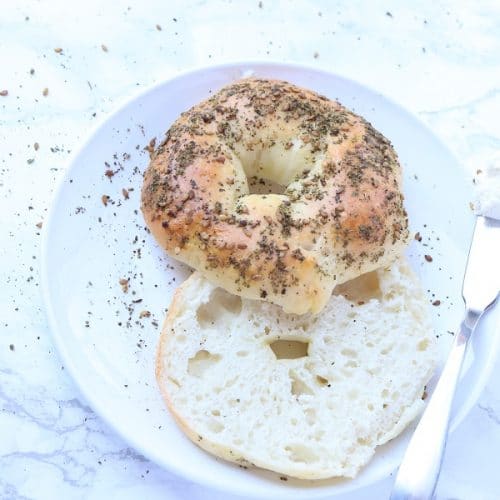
x: 89, y: 247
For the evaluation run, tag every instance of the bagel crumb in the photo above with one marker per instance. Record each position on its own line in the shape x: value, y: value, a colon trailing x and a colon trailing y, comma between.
x: 349, y: 211
x: 124, y: 283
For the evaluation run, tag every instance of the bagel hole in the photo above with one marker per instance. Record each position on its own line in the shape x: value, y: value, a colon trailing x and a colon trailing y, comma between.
x: 201, y: 362
x: 215, y: 426
x: 259, y: 185
x: 301, y: 453
x: 298, y: 387
x: 289, y: 349
x: 219, y: 304
x: 361, y: 289
x: 422, y: 345
x: 310, y: 415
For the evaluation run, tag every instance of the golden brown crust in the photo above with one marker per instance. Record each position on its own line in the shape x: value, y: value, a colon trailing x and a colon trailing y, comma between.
x: 340, y: 215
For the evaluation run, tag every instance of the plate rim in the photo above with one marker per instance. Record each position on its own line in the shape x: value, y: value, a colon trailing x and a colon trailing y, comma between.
x: 45, y: 251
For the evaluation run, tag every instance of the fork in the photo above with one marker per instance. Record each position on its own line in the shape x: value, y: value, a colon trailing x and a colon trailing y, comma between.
x: 419, y: 471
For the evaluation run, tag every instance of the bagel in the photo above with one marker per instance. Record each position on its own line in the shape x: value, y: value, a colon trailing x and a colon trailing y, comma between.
x: 333, y: 210
x: 309, y: 396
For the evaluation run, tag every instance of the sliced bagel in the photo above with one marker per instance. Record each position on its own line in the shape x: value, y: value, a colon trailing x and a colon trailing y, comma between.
x: 310, y: 396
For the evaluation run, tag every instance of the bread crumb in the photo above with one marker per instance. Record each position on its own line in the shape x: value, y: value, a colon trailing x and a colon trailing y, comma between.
x: 124, y: 284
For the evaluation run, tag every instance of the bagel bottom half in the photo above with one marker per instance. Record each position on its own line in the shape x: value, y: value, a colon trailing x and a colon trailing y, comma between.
x: 310, y: 396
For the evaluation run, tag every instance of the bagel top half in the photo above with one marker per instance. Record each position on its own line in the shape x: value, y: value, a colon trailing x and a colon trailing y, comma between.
x: 274, y: 192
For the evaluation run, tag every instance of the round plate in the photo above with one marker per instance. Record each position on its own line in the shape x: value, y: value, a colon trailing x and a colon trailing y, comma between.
x: 107, y: 284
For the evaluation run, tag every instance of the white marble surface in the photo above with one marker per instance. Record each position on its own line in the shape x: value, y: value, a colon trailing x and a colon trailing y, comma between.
x: 439, y: 59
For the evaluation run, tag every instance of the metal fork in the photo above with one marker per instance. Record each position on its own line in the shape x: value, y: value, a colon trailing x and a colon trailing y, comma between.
x: 421, y: 465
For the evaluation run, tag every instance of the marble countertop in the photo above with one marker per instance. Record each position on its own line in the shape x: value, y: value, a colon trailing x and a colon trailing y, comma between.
x: 65, y: 65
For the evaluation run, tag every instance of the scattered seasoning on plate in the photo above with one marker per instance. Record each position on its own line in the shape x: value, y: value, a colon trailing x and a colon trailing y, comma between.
x: 436, y: 303
x: 388, y: 14
x: 158, y: 27
x: 105, y: 199
x: 125, y: 193
x: 104, y: 48
x: 58, y: 50
x: 4, y: 93
x: 428, y: 258
x: 39, y: 225
x: 316, y: 55
x: 11, y: 347
x: 36, y: 146
x: 45, y: 92
x: 418, y: 237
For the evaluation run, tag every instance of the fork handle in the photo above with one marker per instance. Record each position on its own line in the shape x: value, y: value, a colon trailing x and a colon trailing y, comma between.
x: 419, y: 470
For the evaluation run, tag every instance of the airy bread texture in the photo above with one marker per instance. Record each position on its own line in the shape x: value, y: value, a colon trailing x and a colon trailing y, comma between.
x: 333, y: 210
x: 310, y: 396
